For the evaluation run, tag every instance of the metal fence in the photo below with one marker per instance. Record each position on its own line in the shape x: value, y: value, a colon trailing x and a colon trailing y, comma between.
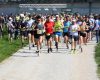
x: 82, y: 8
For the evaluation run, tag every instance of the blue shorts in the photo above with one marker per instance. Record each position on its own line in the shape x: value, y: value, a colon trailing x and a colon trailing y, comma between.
x: 58, y: 33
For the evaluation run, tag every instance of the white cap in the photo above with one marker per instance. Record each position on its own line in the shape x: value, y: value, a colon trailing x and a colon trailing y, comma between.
x: 10, y: 18
x: 57, y: 15
x: 22, y: 15
x: 91, y: 16
x: 74, y: 20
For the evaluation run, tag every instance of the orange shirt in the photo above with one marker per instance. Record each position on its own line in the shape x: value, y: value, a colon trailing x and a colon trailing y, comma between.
x: 49, y: 27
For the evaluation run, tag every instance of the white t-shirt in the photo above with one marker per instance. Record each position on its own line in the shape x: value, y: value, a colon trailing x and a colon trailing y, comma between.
x: 29, y: 23
x: 97, y: 25
x: 74, y: 30
x: 10, y: 25
x: 92, y: 21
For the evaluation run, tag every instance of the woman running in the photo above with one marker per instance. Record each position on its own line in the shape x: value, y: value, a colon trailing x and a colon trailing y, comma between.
x: 74, y: 35
x: 38, y: 33
x: 88, y: 29
x: 83, y: 27
x: 30, y: 28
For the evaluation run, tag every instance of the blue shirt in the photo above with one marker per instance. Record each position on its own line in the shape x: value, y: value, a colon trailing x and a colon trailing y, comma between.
x: 66, y: 26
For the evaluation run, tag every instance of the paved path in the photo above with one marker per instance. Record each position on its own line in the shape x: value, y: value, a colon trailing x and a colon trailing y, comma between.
x: 26, y: 65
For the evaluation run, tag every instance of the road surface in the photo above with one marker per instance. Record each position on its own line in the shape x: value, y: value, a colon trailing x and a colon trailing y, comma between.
x: 61, y: 65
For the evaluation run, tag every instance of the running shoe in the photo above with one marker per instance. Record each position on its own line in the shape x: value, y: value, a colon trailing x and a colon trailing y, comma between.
x: 67, y: 47
x: 37, y: 51
x: 48, y: 50
x: 71, y: 51
x: 33, y: 45
x: 51, y: 49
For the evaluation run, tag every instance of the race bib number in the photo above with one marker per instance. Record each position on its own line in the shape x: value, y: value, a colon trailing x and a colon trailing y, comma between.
x: 74, y: 30
x: 58, y: 29
x: 39, y: 31
x: 29, y: 29
x: 48, y: 34
x: 75, y: 34
x: 43, y: 31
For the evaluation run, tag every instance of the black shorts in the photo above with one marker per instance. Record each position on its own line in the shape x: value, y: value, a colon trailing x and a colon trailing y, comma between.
x: 79, y: 32
x: 49, y: 36
x: 31, y: 32
x: 37, y: 36
x: 88, y: 30
x: 66, y: 34
x: 24, y: 33
x: 82, y: 34
x: 11, y: 32
x: 76, y: 38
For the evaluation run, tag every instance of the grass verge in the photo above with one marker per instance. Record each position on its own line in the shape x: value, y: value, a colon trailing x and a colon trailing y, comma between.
x: 97, y: 57
x: 7, y: 48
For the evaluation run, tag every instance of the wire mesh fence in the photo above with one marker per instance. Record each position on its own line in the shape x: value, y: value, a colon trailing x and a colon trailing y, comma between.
x: 50, y: 8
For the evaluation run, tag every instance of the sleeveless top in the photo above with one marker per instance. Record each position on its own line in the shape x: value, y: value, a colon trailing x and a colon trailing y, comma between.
x: 58, y: 26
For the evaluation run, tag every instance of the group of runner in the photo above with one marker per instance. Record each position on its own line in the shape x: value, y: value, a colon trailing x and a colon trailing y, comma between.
x: 74, y: 29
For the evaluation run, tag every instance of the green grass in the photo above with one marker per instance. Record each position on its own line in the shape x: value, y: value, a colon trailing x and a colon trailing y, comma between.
x: 7, y: 48
x: 97, y: 57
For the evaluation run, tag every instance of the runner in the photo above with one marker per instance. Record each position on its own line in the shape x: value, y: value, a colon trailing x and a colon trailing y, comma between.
x: 38, y: 33
x: 30, y: 27
x: 88, y: 29
x: 97, y: 28
x: 10, y: 27
x: 58, y: 25
x: 66, y: 32
x: 17, y: 25
x: 49, y: 32
x: 92, y: 22
x: 1, y: 27
x: 82, y: 35
x: 23, y: 31
x: 74, y: 35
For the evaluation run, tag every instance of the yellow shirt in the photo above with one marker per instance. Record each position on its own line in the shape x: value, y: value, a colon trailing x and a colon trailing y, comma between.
x: 58, y: 26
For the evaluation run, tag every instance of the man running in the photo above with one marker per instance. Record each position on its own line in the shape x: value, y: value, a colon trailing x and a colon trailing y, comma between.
x: 66, y: 33
x: 58, y: 25
x: 49, y: 32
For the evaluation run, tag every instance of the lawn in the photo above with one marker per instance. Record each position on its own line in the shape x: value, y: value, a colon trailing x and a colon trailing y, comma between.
x: 97, y: 56
x: 7, y: 48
